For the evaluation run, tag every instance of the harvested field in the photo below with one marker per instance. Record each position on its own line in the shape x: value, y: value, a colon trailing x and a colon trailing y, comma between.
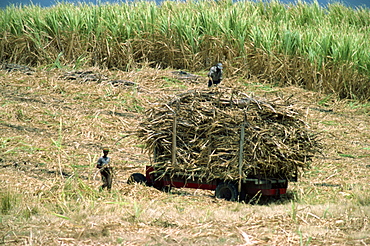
x: 52, y: 130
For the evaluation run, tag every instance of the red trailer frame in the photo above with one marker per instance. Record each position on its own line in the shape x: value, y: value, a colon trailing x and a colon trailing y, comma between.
x: 241, y: 190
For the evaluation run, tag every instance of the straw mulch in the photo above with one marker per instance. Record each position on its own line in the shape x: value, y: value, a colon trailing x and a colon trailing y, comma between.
x: 208, y: 125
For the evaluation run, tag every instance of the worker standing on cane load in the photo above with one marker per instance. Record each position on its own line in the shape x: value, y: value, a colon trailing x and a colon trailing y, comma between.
x: 215, y: 75
x: 105, y: 170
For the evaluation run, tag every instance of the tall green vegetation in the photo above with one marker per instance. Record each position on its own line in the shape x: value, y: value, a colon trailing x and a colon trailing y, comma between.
x: 302, y: 44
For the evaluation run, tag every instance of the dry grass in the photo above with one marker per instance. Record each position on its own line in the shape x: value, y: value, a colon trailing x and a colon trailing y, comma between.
x: 52, y: 130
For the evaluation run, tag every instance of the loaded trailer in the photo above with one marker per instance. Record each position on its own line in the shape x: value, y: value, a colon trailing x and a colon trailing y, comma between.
x: 225, y: 141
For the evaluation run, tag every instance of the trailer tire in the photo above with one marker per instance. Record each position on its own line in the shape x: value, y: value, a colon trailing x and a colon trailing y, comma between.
x: 166, y: 189
x: 161, y: 187
x: 136, y: 178
x: 226, y: 191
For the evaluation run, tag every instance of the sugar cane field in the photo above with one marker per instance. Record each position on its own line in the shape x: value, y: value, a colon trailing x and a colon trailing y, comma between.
x: 78, y: 90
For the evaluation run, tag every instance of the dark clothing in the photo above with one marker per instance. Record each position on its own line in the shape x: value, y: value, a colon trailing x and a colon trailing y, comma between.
x: 214, y: 82
x: 106, y: 176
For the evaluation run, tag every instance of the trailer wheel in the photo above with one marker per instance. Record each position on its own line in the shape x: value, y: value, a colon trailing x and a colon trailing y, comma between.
x: 161, y: 187
x: 136, y: 178
x: 226, y: 191
x: 166, y: 189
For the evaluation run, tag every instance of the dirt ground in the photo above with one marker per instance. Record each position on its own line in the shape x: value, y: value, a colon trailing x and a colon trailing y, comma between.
x: 54, y: 123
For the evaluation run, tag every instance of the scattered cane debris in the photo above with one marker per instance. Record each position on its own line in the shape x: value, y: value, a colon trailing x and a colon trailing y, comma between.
x: 17, y: 68
x: 84, y: 76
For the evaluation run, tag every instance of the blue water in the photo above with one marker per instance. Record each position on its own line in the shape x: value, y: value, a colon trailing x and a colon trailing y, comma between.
x: 48, y: 3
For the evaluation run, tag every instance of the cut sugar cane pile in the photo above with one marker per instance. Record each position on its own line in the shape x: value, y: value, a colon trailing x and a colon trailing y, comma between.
x: 208, y: 127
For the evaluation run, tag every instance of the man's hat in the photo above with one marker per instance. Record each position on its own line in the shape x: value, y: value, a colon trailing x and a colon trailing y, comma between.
x: 106, y: 149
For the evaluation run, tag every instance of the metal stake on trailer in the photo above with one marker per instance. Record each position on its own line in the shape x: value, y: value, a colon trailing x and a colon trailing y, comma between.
x: 241, y: 147
x: 174, y: 144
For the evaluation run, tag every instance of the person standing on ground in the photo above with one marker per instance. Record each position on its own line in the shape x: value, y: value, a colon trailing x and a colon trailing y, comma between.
x: 215, y: 75
x: 105, y: 170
